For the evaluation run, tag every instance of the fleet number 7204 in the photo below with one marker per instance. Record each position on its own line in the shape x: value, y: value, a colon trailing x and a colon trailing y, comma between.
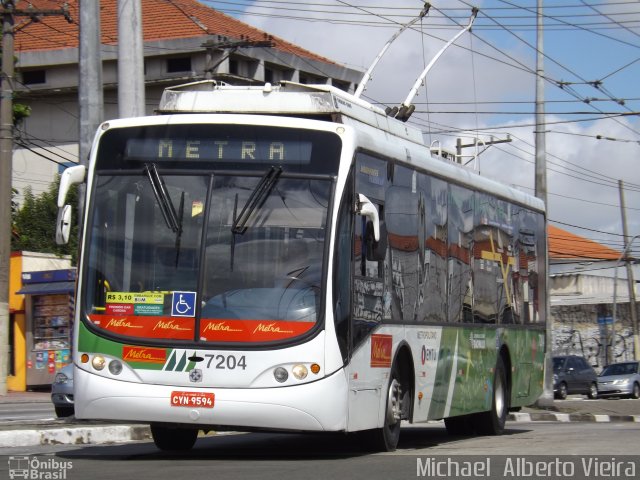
x: 226, y: 362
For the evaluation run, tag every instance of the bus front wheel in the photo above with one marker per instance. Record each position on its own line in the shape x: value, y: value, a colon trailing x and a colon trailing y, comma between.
x: 386, y: 438
x: 174, y: 439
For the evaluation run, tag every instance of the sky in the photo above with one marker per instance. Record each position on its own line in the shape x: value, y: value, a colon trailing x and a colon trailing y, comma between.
x: 484, y: 87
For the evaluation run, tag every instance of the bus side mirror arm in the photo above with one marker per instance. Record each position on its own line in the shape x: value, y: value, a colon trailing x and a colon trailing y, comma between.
x: 71, y: 176
x: 366, y: 208
x: 377, y: 246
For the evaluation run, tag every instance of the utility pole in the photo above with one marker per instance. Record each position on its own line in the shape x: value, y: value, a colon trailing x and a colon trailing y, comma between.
x: 90, y: 94
x: 131, y: 95
x: 630, y: 279
x: 8, y: 12
x: 6, y: 157
x: 541, y: 193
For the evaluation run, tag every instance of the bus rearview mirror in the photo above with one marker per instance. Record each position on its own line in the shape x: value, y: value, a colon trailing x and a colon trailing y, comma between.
x: 63, y: 225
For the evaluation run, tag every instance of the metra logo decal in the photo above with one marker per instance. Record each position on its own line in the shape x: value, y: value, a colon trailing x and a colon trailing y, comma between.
x: 121, y: 323
x: 141, y: 354
x: 235, y: 330
x: 381, y: 346
x: 220, y: 327
x: 169, y: 325
x: 147, y: 326
x: 270, y: 328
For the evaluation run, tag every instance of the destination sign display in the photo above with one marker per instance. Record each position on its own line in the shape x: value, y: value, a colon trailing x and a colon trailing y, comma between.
x: 291, y: 152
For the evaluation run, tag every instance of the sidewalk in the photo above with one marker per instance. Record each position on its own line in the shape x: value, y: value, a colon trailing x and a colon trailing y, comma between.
x: 41, y: 396
x: 81, y: 432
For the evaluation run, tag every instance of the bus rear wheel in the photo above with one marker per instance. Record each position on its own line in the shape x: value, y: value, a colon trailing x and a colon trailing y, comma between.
x: 174, y: 439
x: 493, y: 421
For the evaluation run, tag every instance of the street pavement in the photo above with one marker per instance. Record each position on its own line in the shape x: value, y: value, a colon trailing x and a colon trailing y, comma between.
x: 79, y: 432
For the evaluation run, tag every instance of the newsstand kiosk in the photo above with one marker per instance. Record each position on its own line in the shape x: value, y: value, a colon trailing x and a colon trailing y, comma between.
x: 49, y: 313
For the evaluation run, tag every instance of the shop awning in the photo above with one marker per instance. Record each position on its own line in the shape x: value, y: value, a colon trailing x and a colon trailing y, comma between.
x: 48, y: 288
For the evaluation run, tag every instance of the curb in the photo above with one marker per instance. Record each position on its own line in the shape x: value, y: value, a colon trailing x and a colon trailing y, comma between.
x: 570, y: 417
x: 74, y: 435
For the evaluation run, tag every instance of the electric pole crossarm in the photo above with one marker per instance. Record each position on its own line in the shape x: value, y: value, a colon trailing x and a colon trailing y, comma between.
x: 231, y: 46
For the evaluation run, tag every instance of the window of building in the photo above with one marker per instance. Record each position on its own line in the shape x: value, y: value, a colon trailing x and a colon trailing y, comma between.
x: 233, y: 66
x: 308, y: 79
x: 344, y: 86
x: 178, y: 64
x: 34, y: 77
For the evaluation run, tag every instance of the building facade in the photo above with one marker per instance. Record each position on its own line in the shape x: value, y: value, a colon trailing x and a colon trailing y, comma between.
x: 589, y: 298
x: 183, y: 41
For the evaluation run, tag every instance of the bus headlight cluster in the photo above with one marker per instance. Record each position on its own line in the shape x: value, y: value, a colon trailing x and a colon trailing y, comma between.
x: 98, y: 362
x: 281, y: 375
x: 115, y: 367
x: 299, y: 372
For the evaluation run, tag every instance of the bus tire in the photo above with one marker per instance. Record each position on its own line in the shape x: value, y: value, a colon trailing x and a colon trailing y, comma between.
x: 493, y: 421
x: 385, y: 439
x: 174, y: 439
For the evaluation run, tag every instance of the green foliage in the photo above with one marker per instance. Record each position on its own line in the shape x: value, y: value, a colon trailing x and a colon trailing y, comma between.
x: 34, y: 224
x: 20, y: 112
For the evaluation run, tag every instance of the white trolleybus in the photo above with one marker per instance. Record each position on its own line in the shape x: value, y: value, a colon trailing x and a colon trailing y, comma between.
x: 293, y: 258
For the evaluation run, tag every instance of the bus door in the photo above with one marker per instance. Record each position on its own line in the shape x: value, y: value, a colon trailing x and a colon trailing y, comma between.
x: 370, y: 294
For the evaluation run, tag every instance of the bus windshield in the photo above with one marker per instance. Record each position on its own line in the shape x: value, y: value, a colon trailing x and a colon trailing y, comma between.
x: 209, y: 249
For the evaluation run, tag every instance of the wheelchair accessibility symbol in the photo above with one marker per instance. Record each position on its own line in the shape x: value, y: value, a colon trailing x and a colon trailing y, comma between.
x: 183, y: 304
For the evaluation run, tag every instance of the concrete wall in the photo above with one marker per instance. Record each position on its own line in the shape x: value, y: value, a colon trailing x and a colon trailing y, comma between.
x: 576, y: 331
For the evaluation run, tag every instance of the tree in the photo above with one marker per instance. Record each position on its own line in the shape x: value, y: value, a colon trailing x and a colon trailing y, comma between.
x: 34, y: 223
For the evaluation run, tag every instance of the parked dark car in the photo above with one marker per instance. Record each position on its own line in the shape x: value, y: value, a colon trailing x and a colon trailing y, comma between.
x: 620, y: 380
x: 62, y: 391
x: 573, y: 375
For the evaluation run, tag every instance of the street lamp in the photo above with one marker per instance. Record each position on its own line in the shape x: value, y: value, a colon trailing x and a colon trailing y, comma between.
x: 634, y: 325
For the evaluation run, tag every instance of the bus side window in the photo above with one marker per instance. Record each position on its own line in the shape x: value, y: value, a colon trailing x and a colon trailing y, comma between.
x: 363, y: 244
x: 342, y: 270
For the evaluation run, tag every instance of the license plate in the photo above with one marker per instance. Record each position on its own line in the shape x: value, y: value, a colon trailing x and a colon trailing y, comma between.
x: 192, y: 399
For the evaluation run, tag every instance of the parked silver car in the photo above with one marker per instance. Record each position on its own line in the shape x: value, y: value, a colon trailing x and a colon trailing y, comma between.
x: 62, y: 391
x: 620, y: 380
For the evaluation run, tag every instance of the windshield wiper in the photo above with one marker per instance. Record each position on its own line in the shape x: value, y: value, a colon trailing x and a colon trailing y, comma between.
x: 179, y: 232
x: 256, y: 199
x: 163, y: 198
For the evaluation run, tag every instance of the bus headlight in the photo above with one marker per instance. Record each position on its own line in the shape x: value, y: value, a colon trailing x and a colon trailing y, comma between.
x: 98, y: 362
x: 299, y: 371
x: 281, y: 375
x: 115, y: 367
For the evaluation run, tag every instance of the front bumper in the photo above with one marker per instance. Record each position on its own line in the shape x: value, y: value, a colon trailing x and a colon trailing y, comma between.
x: 610, y: 390
x: 315, y: 406
x: 62, y: 399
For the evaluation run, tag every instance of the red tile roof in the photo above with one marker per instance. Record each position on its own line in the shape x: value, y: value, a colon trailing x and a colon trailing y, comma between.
x: 565, y: 245
x: 162, y: 20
